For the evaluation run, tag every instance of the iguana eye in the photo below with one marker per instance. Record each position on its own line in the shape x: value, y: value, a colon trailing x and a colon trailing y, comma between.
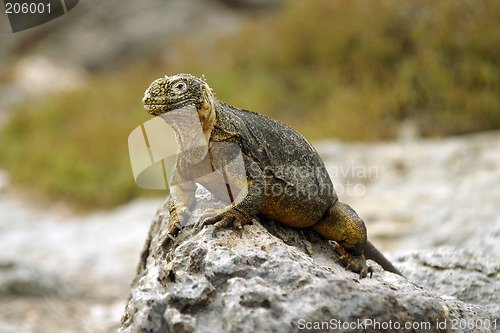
x: 180, y: 87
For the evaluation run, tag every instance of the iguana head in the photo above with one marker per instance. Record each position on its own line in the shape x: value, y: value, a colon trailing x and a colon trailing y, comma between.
x: 174, y: 92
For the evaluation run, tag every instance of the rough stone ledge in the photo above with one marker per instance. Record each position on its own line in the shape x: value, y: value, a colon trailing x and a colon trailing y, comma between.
x: 464, y: 273
x: 271, y: 278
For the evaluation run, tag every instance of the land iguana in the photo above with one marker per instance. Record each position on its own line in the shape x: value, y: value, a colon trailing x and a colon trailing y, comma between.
x: 268, y: 147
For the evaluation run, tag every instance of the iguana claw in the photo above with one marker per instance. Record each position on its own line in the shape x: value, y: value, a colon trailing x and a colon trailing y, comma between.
x: 170, y: 235
x: 227, y: 218
x: 354, y: 263
x: 173, y: 228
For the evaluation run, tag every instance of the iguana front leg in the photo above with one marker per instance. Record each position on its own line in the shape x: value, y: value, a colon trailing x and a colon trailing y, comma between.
x: 247, y: 204
x: 181, y: 200
x: 182, y: 197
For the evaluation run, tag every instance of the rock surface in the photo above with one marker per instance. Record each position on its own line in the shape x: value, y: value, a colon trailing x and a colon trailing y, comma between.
x: 61, y: 273
x: 432, y: 202
x: 416, y: 194
x: 463, y: 272
x: 271, y: 278
x: 28, y: 281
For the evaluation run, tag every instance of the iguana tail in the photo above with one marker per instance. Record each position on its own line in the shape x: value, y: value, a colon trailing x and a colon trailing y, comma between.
x: 372, y: 253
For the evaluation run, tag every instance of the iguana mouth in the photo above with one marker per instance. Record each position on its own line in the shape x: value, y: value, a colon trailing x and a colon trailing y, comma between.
x: 156, y: 109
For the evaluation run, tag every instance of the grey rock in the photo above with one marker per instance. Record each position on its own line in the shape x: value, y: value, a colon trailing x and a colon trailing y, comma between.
x: 424, y: 193
x: 436, y: 199
x: 271, y: 278
x: 460, y: 272
x: 27, y: 281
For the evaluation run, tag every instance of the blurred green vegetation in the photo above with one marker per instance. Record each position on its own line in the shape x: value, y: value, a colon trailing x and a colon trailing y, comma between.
x: 355, y: 69
x: 73, y: 148
x: 346, y: 69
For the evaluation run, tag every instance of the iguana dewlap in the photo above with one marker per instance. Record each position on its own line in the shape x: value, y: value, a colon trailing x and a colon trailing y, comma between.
x: 275, y: 156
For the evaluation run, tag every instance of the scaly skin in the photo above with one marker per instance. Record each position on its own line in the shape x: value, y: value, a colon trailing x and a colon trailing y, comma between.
x: 275, y: 156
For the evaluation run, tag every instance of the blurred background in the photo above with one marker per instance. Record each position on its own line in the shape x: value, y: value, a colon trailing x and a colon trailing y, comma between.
x: 410, y: 88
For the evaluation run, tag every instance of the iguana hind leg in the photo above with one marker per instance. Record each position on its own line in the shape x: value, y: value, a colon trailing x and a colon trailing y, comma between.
x: 343, y: 225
